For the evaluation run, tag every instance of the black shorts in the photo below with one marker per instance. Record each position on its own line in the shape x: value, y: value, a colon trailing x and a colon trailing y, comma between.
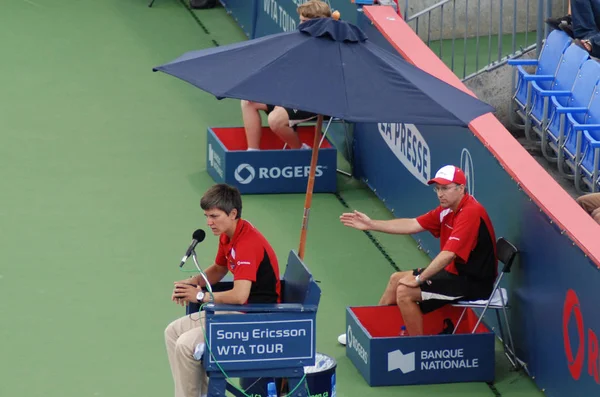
x: 441, y: 289
x: 296, y: 116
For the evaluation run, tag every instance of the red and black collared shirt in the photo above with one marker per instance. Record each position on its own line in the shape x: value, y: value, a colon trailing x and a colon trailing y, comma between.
x: 469, y: 234
x: 249, y: 256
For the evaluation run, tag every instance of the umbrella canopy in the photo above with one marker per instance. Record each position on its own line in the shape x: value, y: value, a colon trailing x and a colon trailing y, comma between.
x: 327, y: 67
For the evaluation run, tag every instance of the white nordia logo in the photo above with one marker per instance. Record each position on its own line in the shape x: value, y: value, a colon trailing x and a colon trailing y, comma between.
x: 409, y: 146
x: 403, y: 362
x: 466, y: 164
x: 244, y: 173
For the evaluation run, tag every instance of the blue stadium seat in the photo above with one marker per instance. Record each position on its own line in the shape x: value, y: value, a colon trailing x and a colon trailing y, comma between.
x: 590, y: 160
x: 555, y: 45
x: 561, y: 86
x: 573, y: 147
x: 576, y: 104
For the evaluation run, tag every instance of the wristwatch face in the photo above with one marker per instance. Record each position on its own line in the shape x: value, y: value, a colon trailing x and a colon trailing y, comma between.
x: 200, y: 296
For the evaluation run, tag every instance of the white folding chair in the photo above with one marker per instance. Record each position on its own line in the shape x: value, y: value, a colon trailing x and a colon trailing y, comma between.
x: 498, y: 300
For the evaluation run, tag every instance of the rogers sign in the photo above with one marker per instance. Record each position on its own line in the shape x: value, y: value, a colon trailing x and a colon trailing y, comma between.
x: 575, y: 359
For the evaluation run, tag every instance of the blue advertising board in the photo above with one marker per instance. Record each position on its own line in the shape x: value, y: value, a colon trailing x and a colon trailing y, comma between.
x: 276, y: 16
x: 405, y: 360
x: 269, y: 171
x: 244, y: 13
x: 259, y: 18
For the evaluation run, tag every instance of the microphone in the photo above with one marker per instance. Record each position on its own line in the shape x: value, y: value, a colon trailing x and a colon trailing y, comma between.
x: 197, y: 237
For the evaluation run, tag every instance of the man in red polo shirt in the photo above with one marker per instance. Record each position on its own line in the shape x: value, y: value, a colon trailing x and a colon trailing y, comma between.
x: 466, y: 266
x: 243, y: 251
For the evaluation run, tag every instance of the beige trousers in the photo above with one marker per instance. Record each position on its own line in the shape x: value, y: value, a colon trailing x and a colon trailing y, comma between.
x: 181, y: 337
x: 591, y: 204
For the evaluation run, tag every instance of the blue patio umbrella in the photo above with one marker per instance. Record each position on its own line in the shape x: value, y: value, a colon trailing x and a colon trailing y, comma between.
x: 328, y: 67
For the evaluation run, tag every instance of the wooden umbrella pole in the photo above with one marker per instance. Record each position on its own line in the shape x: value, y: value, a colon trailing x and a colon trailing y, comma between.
x: 310, y: 186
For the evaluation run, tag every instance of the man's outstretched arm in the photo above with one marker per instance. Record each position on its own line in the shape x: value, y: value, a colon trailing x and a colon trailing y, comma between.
x: 360, y: 221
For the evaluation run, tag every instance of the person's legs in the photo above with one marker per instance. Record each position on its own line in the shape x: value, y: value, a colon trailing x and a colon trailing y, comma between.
x: 596, y: 11
x: 279, y: 121
x: 585, y: 15
x: 594, y: 45
x: 596, y: 215
x: 389, y: 295
x: 589, y: 202
x: 181, y: 337
x: 407, y: 298
x: 252, y: 123
x: 441, y: 289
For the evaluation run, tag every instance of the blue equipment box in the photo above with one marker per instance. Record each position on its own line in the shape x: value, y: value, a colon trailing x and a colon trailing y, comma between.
x: 384, y: 358
x: 272, y: 169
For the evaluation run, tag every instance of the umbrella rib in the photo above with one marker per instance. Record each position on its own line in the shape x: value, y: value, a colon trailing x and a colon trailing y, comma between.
x: 430, y: 96
x: 339, y: 49
x: 240, y: 82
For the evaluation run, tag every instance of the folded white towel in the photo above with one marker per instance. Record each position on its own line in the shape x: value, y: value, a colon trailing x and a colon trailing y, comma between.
x: 496, y: 301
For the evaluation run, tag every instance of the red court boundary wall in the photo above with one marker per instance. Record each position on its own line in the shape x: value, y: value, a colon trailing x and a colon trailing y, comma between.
x: 556, y: 203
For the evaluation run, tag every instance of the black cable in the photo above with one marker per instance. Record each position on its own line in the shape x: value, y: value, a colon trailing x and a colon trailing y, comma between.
x: 198, y: 21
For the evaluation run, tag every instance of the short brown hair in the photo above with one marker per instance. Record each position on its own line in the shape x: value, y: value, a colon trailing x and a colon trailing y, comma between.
x: 223, y: 197
x: 314, y: 9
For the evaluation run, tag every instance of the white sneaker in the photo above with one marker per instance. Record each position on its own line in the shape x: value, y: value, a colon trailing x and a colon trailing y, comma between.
x: 342, y: 339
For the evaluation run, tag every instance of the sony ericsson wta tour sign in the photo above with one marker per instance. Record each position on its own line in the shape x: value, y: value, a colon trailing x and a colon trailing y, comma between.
x: 262, y: 342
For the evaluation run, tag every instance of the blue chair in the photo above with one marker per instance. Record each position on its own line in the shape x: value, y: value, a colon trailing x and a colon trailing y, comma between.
x: 577, y: 104
x: 555, y: 45
x: 498, y: 300
x: 571, y: 154
x: 590, y: 159
x: 561, y: 86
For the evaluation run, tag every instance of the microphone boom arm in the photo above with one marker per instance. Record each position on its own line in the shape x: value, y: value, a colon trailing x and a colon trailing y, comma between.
x: 208, y: 286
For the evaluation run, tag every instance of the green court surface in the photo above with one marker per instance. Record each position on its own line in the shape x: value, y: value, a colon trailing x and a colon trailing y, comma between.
x: 102, y: 167
x: 473, y: 54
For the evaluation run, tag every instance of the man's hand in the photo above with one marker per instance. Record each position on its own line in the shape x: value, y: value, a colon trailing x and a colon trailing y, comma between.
x: 192, y: 280
x: 357, y: 220
x: 409, y: 281
x: 184, y: 294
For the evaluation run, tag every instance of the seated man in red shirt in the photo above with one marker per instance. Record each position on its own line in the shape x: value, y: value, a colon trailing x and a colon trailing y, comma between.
x: 243, y: 251
x: 466, y: 267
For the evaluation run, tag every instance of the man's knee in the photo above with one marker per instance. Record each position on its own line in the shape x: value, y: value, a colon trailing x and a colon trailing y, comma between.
x: 183, y: 348
x: 251, y: 105
x: 170, y: 332
x: 278, y: 119
x: 246, y: 105
x: 395, y: 277
x: 405, y: 294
